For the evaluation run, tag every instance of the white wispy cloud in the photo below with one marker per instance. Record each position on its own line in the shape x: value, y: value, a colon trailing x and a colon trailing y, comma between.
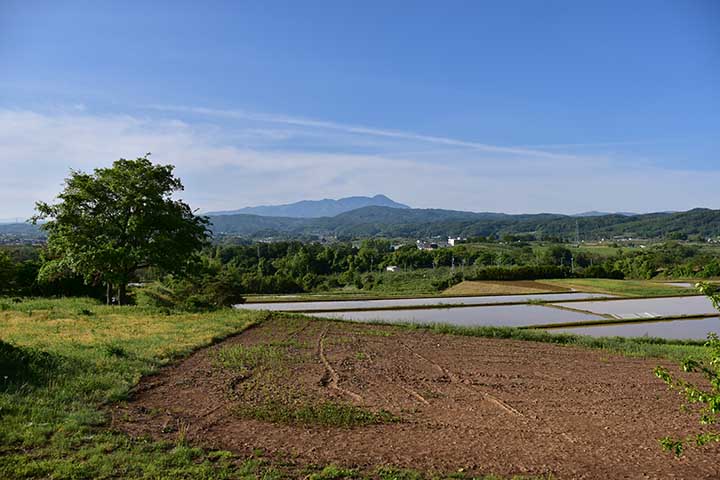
x: 229, y: 166
x: 361, y: 130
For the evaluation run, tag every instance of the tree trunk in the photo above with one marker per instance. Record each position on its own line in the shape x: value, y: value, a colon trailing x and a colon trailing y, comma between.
x: 109, y: 293
x: 122, y: 288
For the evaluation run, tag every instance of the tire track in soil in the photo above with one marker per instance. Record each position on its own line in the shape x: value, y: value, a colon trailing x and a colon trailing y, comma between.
x: 390, y: 381
x: 455, y: 379
x: 491, y: 398
x: 329, y: 370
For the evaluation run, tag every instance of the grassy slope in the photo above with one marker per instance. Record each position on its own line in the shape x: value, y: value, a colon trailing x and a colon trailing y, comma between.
x: 53, y: 426
x: 625, y: 288
x: 52, y: 419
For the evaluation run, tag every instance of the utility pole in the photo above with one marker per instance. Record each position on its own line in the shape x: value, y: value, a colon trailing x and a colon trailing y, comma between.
x: 577, y: 233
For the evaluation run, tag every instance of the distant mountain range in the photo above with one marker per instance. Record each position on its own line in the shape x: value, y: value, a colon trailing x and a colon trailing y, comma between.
x: 416, y: 223
x: 380, y: 216
x: 315, y: 208
x: 594, y: 213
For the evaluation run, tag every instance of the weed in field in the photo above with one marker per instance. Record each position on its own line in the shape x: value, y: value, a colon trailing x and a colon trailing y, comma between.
x: 376, y: 332
x: 332, y: 472
x: 327, y: 414
x: 243, y: 359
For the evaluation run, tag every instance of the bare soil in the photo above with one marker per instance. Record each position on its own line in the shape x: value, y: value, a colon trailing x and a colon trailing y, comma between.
x: 484, y: 405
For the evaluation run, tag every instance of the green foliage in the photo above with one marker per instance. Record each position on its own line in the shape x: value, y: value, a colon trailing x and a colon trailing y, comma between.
x: 518, y: 273
x: 707, y: 398
x: 117, y: 220
x: 189, y: 294
x: 447, y: 282
x: 558, y: 255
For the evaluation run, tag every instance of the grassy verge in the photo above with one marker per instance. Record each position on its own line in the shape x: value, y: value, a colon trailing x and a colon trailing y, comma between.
x: 61, y: 361
x: 626, y: 288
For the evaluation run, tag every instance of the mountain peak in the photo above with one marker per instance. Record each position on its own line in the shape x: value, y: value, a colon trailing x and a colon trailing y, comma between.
x: 326, y: 207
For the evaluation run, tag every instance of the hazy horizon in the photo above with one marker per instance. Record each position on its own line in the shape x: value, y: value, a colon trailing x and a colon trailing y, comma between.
x: 20, y: 219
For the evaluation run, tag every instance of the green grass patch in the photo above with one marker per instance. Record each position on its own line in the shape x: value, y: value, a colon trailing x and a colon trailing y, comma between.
x: 245, y: 358
x: 332, y: 472
x: 326, y: 414
x: 63, y: 365
x: 625, y: 288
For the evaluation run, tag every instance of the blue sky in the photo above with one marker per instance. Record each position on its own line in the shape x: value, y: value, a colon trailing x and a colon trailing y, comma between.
x: 488, y: 106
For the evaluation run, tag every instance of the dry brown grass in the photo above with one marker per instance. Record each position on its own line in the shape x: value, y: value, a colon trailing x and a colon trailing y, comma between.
x: 502, y: 288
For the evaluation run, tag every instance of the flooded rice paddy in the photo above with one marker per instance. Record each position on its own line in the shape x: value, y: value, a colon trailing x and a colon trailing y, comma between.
x: 499, y: 316
x: 407, y: 302
x: 696, y: 329
x: 483, y: 311
x: 647, y: 307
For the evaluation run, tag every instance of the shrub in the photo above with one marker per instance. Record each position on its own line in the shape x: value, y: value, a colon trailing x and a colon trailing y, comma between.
x: 519, y: 273
x: 707, y: 398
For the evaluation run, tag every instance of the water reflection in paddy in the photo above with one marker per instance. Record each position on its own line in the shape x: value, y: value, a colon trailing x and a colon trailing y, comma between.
x: 500, y: 316
x: 401, y: 302
x: 663, y: 307
x: 676, y: 329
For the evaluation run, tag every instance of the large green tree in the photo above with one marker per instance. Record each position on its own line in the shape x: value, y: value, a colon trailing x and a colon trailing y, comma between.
x: 115, y: 221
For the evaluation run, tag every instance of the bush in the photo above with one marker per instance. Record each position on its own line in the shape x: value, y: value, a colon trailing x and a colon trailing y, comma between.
x: 155, y: 295
x: 707, y: 398
x: 519, y: 273
x: 600, y: 271
x: 191, y: 296
x: 445, y: 283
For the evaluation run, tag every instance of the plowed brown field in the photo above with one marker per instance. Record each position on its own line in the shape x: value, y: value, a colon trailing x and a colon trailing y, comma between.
x: 483, y: 405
